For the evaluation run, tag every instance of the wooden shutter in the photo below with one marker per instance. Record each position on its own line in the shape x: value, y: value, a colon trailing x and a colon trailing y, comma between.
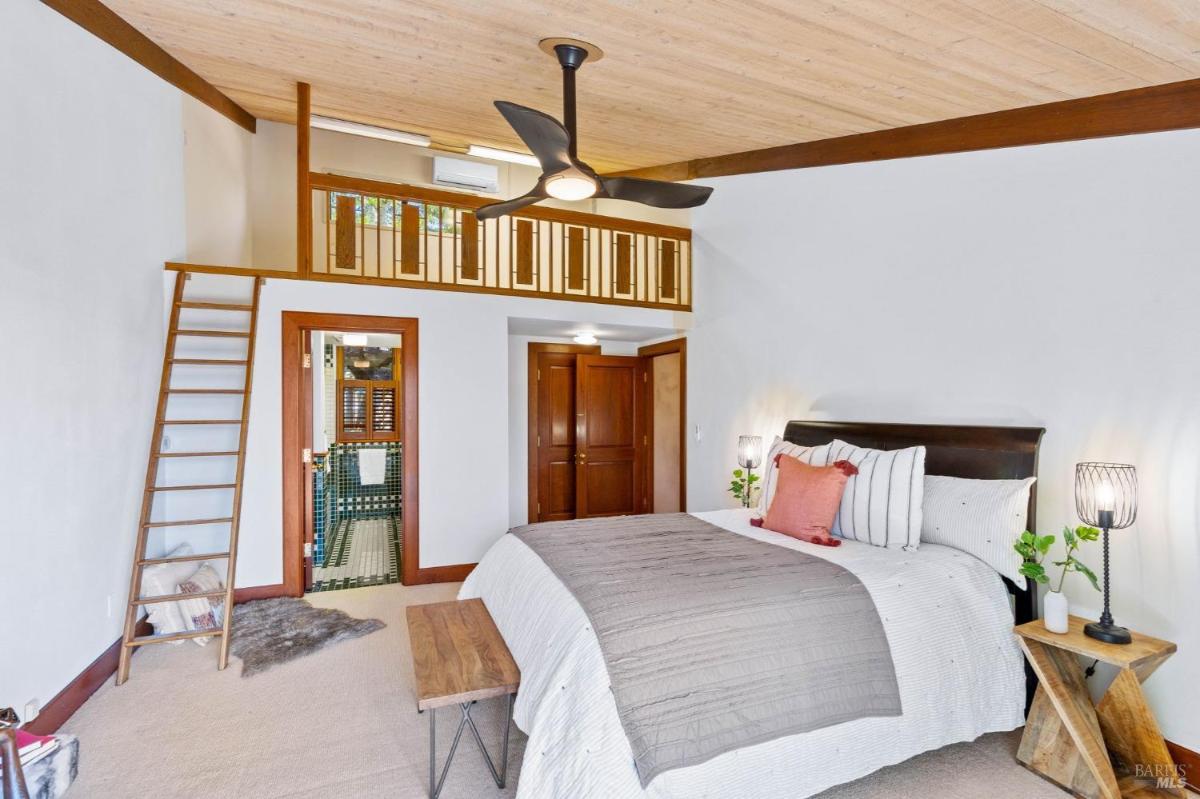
x: 385, y: 412
x: 354, y: 410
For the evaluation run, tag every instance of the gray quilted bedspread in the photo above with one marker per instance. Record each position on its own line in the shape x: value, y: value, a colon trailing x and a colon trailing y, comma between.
x: 715, y: 641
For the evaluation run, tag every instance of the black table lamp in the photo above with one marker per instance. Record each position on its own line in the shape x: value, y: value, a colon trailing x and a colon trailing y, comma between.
x: 1106, y: 497
x: 749, y: 458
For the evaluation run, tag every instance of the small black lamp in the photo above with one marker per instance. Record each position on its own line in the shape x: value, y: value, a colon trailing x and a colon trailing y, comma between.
x: 749, y: 458
x: 1106, y: 497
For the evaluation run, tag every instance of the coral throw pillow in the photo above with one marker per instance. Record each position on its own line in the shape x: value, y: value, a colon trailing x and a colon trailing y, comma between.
x: 807, y: 499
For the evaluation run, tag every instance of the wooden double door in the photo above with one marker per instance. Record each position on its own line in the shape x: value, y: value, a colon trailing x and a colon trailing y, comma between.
x: 587, y: 433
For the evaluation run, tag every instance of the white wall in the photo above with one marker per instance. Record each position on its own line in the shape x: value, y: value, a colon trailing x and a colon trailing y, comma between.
x: 1053, y: 286
x: 464, y: 411
x: 216, y: 172
x: 88, y: 136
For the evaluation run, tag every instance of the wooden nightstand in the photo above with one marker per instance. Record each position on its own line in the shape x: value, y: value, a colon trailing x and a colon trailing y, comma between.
x: 1068, y: 739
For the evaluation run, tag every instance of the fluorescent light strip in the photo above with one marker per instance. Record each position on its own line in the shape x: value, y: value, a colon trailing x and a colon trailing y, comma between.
x: 370, y: 131
x: 479, y: 151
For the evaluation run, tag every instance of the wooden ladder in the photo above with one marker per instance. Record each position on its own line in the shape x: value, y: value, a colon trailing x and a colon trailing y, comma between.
x: 130, y: 639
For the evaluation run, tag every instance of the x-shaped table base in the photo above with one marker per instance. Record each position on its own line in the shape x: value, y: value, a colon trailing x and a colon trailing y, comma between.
x: 436, y: 782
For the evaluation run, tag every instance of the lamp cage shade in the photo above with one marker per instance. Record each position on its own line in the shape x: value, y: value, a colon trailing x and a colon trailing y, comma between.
x: 1106, y: 494
x: 749, y: 451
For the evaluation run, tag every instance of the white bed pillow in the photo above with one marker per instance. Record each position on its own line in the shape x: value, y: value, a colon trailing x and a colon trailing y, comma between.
x: 882, y: 503
x: 201, y: 613
x: 164, y: 578
x: 770, y: 471
x: 983, y: 518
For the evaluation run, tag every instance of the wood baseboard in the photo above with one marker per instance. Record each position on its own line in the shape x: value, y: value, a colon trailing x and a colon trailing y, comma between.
x: 1189, y: 763
x: 56, y: 712
x: 443, y: 574
x: 254, y: 592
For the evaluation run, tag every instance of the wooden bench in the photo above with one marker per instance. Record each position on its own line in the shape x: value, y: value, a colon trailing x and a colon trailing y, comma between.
x: 460, y: 658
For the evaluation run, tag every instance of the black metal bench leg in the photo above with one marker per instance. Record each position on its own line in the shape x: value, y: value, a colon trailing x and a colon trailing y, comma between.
x: 499, y: 777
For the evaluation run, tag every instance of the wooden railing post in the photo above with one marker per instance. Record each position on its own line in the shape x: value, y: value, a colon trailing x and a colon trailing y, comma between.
x: 304, y: 240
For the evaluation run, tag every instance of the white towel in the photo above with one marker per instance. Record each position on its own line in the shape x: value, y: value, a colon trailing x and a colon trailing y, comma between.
x: 372, y: 466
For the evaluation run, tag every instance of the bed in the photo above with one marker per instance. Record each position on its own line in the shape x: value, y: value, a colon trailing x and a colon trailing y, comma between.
x: 947, y: 618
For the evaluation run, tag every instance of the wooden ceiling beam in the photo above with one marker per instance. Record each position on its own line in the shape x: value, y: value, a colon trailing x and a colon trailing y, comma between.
x: 103, y: 23
x: 1170, y: 106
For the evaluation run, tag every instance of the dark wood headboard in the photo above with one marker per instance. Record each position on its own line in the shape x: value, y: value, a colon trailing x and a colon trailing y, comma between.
x: 981, y: 453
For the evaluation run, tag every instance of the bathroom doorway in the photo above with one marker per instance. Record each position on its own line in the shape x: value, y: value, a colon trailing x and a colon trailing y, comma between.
x: 350, y: 459
x: 357, y: 460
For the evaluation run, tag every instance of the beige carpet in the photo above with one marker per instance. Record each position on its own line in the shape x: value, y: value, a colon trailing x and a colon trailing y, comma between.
x: 343, y: 722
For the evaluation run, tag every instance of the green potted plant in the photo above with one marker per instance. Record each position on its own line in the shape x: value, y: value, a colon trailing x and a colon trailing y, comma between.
x: 743, y: 486
x: 1034, y: 549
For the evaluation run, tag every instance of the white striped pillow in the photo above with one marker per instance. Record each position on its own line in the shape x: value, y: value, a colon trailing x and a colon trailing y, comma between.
x: 983, y: 518
x: 882, y: 503
x: 771, y: 471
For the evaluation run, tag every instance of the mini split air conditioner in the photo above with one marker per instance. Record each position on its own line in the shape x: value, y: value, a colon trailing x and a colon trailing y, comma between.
x: 460, y: 174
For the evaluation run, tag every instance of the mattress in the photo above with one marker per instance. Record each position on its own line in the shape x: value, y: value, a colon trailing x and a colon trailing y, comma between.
x: 949, y: 625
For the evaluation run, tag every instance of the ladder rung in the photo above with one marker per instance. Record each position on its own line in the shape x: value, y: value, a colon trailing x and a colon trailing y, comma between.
x: 183, y: 558
x: 217, y: 306
x: 212, y: 333
x: 206, y: 391
x: 153, y: 600
x: 197, y: 454
x: 208, y: 487
x: 209, y: 361
x: 142, y: 640
x: 201, y: 421
x: 188, y: 522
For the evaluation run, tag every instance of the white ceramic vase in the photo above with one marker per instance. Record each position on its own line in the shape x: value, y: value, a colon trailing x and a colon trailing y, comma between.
x: 1054, y: 610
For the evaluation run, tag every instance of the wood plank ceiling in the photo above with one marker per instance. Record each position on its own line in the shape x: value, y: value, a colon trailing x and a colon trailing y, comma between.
x: 679, y: 80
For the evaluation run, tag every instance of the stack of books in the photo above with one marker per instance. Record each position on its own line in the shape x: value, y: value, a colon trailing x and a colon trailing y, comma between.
x: 32, y: 748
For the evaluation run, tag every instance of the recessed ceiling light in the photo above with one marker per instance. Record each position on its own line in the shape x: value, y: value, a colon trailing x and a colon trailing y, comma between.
x: 479, y: 151
x: 585, y: 338
x: 370, y: 131
x: 355, y: 339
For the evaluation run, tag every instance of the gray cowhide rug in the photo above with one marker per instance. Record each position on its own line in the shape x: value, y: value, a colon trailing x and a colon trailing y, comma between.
x: 268, y: 632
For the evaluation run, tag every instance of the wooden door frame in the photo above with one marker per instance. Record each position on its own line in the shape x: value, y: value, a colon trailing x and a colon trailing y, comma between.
x: 297, y: 412
x: 534, y: 348
x: 648, y: 352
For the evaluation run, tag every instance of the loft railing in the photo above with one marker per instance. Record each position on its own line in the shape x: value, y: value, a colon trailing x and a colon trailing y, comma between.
x: 376, y: 232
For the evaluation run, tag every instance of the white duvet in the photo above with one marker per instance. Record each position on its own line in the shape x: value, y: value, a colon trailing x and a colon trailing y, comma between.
x: 947, y: 618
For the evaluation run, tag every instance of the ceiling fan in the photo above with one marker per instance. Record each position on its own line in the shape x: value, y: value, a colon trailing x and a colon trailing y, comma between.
x: 564, y: 176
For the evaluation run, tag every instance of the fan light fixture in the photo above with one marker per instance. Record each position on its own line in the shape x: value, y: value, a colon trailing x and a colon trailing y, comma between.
x: 569, y: 186
x: 554, y: 145
x: 585, y: 338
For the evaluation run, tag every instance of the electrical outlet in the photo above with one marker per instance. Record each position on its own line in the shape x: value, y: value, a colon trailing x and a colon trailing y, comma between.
x: 166, y: 444
x: 32, y: 708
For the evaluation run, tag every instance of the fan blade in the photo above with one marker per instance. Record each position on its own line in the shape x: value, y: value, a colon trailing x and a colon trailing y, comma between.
x: 543, y: 134
x: 659, y: 193
x: 508, y: 206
